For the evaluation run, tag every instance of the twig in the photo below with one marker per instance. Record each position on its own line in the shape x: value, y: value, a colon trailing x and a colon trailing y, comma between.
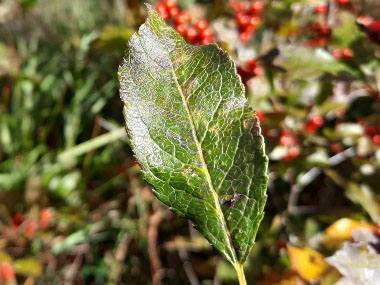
x: 309, y: 176
x: 73, y: 270
x: 155, y: 262
x: 183, y: 255
x: 11, y: 234
x: 120, y: 254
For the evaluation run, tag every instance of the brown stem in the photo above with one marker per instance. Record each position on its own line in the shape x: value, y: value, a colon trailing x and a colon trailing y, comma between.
x: 155, y: 262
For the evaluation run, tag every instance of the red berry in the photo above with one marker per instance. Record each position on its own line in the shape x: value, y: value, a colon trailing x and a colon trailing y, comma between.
x: 374, y: 27
x: 45, y: 218
x: 376, y: 139
x: 238, y: 6
x: 281, y: 244
x: 315, y: 26
x: 371, y: 130
x: 192, y: 34
x: 173, y: 11
x: 242, y: 19
x: 294, y: 152
x: 201, y: 25
x: 310, y: 128
x: 364, y: 20
x: 206, y: 41
x: 183, y: 17
x: 316, y: 42
x: 254, y: 21
x: 17, y: 220
x: 181, y: 29
x: 336, y: 147
x: 321, y: 29
x: 30, y: 227
x: 7, y: 272
x: 317, y: 120
x: 257, y: 7
x: 246, y: 36
x: 374, y: 94
x: 286, y: 140
x: 377, y: 230
x: 324, y: 31
x: 258, y: 71
x: 373, y: 31
x: 207, y: 33
x: 170, y: 3
x: 161, y: 9
x: 321, y: 8
x: 337, y: 53
x: 261, y: 116
x: 245, y: 76
x: 343, y: 2
x: 252, y: 63
x: 235, y: 5
x: 347, y: 53
x: 314, y: 124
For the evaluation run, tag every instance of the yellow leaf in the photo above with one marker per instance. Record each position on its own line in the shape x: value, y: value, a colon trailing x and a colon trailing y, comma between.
x: 341, y: 230
x: 27, y: 267
x: 4, y: 257
x: 308, y: 263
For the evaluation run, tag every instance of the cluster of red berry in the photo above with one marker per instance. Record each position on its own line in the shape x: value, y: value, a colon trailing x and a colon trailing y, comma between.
x: 319, y: 27
x: 289, y: 139
x: 199, y: 33
x: 167, y: 9
x: 248, y: 17
x: 31, y: 226
x: 313, y: 124
x: 251, y: 69
x: 322, y: 31
x: 343, y: 53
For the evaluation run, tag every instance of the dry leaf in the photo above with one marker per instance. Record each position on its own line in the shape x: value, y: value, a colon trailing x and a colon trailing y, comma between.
x: 308, y: 263
x: 341, y: 231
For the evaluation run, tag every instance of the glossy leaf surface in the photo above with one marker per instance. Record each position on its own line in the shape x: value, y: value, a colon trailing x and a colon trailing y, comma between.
x: 194, y: 135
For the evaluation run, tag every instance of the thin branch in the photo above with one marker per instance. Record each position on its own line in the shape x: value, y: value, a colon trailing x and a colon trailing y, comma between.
x: 183, y: 255
x: 155, y: 262
x: 313, y: 173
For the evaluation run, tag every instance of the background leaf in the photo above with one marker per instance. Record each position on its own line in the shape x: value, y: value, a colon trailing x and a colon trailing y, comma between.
x: 358, y: 262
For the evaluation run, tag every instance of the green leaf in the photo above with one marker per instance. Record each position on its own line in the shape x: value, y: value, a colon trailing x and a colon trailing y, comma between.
x: 194, y: 135
x: 367, y: 198
x: 305, y: 63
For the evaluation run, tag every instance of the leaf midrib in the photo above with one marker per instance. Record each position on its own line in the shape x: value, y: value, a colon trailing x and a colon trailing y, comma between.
x: 204, y: 165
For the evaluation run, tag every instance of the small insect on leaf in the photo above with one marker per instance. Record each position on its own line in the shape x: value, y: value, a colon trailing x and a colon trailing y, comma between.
x: 230, y: 200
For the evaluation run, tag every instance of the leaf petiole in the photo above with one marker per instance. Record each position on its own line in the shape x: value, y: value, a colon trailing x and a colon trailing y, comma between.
x: 240, y: 273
